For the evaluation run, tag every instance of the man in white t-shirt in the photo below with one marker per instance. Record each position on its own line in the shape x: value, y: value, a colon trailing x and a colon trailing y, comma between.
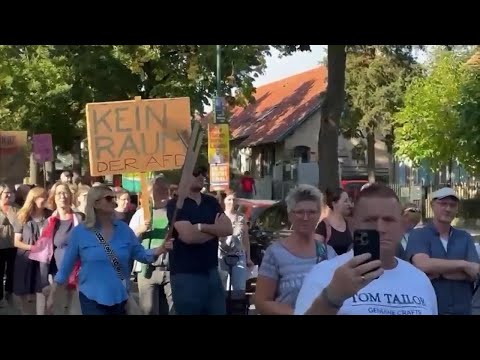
x: 348, y: 285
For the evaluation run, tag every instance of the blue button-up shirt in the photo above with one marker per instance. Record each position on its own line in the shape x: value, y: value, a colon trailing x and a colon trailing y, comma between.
x: 98, y: 279
x: 454, y: 297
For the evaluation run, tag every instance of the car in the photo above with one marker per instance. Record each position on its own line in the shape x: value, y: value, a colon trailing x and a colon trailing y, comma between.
x: 353, y: 187
x: 267, y: 221
x: 250, y: 208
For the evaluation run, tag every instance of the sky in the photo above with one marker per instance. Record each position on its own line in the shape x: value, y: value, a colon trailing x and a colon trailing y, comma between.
x: 279, y: 68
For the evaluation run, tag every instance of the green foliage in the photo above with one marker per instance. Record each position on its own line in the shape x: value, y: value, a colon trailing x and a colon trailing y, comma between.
x: 45, y: 88
x: 428, y: 127
x: 468, y: 108
x: 376, y: 79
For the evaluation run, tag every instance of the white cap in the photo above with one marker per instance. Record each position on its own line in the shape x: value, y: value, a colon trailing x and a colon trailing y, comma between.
x: 443, y: 193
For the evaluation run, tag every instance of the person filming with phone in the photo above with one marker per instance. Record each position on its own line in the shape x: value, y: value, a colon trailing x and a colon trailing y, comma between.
x: 369, y: 280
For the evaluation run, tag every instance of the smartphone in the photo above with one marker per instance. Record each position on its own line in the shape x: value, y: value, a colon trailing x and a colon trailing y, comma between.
x: 367, y: 241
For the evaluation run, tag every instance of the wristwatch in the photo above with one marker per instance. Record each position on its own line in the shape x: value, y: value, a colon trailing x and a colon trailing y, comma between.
x: 330, y: 301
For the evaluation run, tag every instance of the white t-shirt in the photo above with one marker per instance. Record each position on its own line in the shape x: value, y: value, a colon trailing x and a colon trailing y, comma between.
x: 404, y: 290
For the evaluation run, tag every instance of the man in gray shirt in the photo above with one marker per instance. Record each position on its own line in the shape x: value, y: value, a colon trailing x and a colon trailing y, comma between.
x: 447, y: 255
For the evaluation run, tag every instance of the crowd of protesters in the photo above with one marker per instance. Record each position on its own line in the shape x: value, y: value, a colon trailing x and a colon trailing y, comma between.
x: 73, y: 248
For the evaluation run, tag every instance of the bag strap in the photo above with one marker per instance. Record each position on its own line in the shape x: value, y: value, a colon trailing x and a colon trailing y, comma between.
x: 328, y: 229
x: 321, y: 250
x: 111, y: 255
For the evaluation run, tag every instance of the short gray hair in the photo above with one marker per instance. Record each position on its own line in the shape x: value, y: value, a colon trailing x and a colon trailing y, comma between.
x: 301, y: 193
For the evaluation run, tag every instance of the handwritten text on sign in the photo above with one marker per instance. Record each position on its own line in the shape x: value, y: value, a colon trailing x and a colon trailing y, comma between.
x: 138, y: 135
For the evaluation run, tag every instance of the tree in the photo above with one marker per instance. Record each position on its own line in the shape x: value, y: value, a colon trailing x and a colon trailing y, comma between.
x: 428, y: 127
x: 469, y: 111
x: 37, y: 88
x: 333, y: 107
x: 331, y: 111
x: 376, y: 79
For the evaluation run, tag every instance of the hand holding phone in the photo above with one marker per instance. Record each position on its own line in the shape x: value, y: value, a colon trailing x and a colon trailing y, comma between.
x: 352, y: 276
x: 367, y: 242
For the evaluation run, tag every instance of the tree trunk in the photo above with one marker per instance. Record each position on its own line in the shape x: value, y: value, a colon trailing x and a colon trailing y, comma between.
x: 331, y: 111
x: 371, y: 156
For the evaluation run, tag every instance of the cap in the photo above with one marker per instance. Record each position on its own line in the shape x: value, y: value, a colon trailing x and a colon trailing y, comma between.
x: 443, y: 193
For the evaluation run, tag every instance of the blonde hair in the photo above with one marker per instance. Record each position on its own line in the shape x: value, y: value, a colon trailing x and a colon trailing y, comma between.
x: 29, y: 206
x: 301, y: 193
x: 95, y: 193
x: 81, y: 189
x: 52, y: 205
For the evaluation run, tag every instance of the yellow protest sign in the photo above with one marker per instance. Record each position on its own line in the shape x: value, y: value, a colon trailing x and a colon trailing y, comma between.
x: 218, y: 144
x: 219, y: 156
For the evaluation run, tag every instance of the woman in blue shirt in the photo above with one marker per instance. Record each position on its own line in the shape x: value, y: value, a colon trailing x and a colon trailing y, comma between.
x: 103, y: 287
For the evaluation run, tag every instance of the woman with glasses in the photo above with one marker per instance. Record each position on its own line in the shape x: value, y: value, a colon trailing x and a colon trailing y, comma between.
x: 105, y: 247
x: 287, y: 261
x: 411, y: 216
x: 50, y: 248
x: 123, y: 211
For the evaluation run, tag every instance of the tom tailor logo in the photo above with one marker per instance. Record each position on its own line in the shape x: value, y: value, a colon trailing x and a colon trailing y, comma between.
x: 388, y: 299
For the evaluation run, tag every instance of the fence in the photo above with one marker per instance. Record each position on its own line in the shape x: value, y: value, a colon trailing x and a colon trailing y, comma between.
x: 421, y: 195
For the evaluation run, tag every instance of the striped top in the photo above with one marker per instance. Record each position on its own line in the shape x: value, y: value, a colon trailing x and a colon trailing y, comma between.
x: 288, y: 270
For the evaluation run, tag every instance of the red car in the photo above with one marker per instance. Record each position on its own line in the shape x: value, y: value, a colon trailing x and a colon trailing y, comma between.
x: 352, y: 187
x: 250, y: 208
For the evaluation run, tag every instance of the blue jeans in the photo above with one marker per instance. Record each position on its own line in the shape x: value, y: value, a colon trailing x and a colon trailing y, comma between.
x: 90, y: 307
x: 239, y: 273
x: 198, y: 294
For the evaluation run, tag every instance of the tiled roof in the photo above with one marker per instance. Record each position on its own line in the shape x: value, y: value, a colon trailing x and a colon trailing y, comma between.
x: 279, y: 108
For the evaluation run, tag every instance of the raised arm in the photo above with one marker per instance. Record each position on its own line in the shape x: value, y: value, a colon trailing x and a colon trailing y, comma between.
x: 138, y: 251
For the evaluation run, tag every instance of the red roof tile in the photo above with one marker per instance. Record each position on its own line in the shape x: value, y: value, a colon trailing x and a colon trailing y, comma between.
x: 280, y: 106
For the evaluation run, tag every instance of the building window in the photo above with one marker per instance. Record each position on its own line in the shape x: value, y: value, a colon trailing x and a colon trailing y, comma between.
x: 302, y: 153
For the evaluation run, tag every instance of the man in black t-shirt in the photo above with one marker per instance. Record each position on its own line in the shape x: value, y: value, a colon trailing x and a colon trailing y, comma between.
x: 197, y: 288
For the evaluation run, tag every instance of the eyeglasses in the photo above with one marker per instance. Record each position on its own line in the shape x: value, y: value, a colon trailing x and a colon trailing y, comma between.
x: 109, y: 198
x: 301, y: 213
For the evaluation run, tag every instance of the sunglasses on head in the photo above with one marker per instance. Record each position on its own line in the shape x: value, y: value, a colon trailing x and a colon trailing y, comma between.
x: 412, y: 210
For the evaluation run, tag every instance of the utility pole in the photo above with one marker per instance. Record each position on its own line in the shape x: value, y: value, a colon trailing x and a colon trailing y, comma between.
x: 219, y: 73
x: 219, y: 137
